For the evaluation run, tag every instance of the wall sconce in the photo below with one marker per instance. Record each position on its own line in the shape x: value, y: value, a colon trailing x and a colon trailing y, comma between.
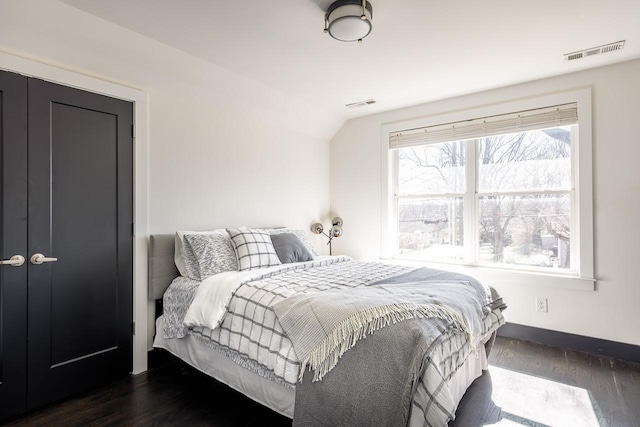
x: 335, y: 231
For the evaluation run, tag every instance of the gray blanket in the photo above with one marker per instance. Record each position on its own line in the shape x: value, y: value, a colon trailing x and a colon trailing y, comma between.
x: 494, y: 301
x: 374, y: 382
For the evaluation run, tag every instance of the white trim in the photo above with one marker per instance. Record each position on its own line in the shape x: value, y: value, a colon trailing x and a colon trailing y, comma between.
x: 387, y: 165
x: 44, y: 71
x: 584, y: 187
x: 583, y: 200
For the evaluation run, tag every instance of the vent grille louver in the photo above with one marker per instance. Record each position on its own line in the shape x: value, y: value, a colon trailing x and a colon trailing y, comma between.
x: 611, y: 47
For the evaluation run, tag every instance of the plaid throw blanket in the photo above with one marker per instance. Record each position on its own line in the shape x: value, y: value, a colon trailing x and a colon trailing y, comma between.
x: 322, y: 327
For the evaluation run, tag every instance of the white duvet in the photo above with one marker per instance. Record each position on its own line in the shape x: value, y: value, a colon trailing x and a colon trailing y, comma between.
x: 212, y: 297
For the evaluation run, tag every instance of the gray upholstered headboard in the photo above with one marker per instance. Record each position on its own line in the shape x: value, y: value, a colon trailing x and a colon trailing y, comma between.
x: 162, y: 268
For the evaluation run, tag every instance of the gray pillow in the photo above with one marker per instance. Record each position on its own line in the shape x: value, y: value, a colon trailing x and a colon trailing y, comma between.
x: 302, y: 235
x: 290, y: 248
x: 213, y: 252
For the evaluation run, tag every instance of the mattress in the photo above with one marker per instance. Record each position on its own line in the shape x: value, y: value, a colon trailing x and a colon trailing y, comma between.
x: 197, y: 354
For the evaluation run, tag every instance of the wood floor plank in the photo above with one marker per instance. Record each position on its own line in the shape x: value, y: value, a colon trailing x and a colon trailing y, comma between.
x: 171, y: 393
x: 612, y: 397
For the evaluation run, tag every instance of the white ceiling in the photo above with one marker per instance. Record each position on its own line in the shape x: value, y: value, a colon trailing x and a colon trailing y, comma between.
x: 418, y: 51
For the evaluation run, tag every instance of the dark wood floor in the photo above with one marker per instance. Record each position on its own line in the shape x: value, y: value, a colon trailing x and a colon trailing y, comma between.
x: 604, y: 392
x: 556, y: 382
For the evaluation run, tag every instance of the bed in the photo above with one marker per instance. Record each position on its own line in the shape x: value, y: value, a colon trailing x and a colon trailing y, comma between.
x: 253, y: 331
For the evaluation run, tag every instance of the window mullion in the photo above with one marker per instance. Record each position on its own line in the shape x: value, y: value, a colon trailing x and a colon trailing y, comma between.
x: 470, y: 202
x: 431, y: 196
x: 524, y: 193
x: 393, y: 234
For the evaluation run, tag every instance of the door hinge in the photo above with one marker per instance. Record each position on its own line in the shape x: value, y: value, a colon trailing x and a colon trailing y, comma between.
x: 133, y: 131
x: 133, y: 328
x: 133, y: 229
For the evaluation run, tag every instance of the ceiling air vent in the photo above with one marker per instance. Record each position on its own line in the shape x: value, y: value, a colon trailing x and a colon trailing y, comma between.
x: 611, y: 47
x: 361, y: 103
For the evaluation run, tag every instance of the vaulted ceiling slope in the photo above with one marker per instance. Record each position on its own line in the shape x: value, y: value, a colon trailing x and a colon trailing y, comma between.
x: 418, y: 51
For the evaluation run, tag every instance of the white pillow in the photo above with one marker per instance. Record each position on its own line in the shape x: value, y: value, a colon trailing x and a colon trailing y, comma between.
x: 300, y: 234
x: 185, y: 258
x: 253, y: 248
x: 213, y: 252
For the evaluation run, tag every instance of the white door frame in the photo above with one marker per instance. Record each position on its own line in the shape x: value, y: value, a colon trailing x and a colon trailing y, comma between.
x: 54, y: 74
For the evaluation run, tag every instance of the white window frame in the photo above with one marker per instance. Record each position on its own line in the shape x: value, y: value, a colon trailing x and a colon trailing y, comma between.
x: 582, y: 274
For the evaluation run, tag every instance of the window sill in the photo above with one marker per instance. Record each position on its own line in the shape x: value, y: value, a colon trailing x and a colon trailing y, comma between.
x: 506, y: 277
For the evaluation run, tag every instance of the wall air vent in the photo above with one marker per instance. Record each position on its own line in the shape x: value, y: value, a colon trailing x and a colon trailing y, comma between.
x: 361, y: 103
x: 611, y: 47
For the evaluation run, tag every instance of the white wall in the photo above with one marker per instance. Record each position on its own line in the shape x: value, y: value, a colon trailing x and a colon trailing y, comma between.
x: 611, y: 311
x: 223, y: 150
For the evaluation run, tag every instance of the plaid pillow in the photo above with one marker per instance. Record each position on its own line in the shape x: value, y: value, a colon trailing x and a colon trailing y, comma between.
x: 253, y: 248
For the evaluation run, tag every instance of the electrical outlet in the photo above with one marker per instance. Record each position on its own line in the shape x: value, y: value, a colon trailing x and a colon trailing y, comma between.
x: 541, y: 305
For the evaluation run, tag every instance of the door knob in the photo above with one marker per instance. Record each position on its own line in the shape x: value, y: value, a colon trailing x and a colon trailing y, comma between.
x: 39, y: 259
x: 14, y: 261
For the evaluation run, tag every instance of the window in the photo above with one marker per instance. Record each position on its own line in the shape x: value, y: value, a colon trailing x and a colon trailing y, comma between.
x: 499, y: 191
x: 431, y: 183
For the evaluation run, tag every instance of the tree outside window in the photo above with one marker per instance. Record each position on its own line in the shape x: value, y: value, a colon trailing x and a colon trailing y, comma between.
x: 522, y: 190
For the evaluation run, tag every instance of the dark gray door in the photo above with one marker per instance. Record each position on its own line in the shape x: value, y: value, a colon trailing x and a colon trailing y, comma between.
x: 80, y: 213
x: 13, y: 241
x: 66, y: 194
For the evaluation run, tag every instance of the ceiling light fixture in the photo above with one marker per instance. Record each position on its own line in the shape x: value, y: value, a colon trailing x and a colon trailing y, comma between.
x: 348, y: 20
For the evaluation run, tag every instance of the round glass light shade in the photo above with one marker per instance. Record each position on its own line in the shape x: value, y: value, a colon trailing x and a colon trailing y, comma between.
x: 317, y: 228
x: 346, y: 23
x: 336, y: 231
